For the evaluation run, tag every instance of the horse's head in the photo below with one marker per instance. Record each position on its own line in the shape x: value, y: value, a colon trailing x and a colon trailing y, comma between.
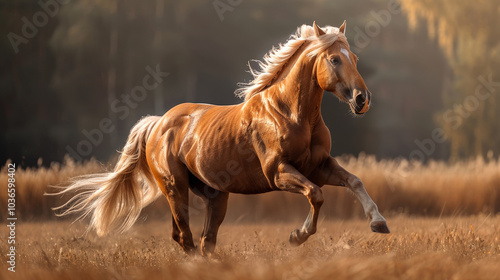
x: 336, y: 72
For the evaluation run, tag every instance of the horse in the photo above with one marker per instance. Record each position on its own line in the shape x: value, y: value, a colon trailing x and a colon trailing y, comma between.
x: 275, y: 140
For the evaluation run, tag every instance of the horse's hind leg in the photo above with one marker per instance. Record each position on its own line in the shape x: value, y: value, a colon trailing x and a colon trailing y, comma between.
x: 176, y: 234
x: 216, y: 211
x: 176, y: 188
x: 178, y: 198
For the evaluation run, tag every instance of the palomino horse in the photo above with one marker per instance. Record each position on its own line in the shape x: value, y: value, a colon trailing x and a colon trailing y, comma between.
x: 276, y: 140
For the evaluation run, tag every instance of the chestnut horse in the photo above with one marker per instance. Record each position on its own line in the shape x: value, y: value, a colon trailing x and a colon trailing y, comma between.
x: 276, y: 140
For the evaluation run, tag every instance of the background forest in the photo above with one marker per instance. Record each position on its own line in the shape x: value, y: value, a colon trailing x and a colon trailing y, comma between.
x: 72, y: 73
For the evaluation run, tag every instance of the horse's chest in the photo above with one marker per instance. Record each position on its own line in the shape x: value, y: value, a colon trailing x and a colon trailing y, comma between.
x: 305, y: 149
x: 296, y: 144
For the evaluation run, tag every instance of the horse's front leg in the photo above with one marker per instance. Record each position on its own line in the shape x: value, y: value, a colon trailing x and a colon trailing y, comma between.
x: 289, y: 179
x: 336, y: 175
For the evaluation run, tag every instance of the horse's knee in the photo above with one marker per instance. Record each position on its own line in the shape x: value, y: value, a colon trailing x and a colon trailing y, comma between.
x: 355, y: 183
x: 320, y: 200
x: 316, y: 197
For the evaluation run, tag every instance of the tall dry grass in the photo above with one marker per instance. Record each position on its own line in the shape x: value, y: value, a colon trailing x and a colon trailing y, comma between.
x: 432, y: 189
x: 32, y: 183
x: 436, y: 188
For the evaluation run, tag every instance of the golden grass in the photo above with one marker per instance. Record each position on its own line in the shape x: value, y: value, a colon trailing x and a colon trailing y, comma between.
x: 434, y: 189
x: 443, y: 217
x: 417, y: 248
x: 32, y: 183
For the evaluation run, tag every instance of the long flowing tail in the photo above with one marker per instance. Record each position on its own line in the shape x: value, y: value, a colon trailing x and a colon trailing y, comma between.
x: 115, y: 200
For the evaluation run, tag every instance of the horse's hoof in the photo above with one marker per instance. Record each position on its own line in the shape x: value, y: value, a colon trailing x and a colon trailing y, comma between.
x: 294, y: 238
x: 380, y: 227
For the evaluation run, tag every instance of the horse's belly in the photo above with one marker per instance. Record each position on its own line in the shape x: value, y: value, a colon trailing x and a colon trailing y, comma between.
x: 253, y: 182
x: 235, y: 176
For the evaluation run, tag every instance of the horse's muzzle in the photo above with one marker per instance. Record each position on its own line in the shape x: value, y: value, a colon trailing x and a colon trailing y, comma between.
x: 360, y: 103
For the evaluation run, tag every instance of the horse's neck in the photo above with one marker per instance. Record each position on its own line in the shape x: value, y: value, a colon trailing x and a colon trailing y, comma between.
x: 299, y: 92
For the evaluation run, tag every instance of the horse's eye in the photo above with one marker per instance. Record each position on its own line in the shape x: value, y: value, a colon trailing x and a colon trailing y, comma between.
x: 335, y: 61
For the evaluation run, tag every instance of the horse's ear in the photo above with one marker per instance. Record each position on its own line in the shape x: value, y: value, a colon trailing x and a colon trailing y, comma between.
x: 318, y: 30
x: 342, y: 28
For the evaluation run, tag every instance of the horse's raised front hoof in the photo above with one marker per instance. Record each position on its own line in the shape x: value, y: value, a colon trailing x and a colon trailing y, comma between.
x: 380, y: 227
x: 295, y: 239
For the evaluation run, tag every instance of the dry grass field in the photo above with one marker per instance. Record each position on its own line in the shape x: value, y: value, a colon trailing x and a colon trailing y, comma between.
x: 444, y: 220
x: 398, y: 187
x: 417, y: 248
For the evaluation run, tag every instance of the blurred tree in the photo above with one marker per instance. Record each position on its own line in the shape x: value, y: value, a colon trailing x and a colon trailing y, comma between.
x: 469, y: 34
x: 91, y: 53
x: 28, y: 106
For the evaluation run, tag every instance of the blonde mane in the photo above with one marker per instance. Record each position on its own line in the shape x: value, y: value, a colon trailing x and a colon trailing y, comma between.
x: 276, y: 59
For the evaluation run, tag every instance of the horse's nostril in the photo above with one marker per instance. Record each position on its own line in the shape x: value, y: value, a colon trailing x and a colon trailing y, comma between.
x: 360, y: 99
